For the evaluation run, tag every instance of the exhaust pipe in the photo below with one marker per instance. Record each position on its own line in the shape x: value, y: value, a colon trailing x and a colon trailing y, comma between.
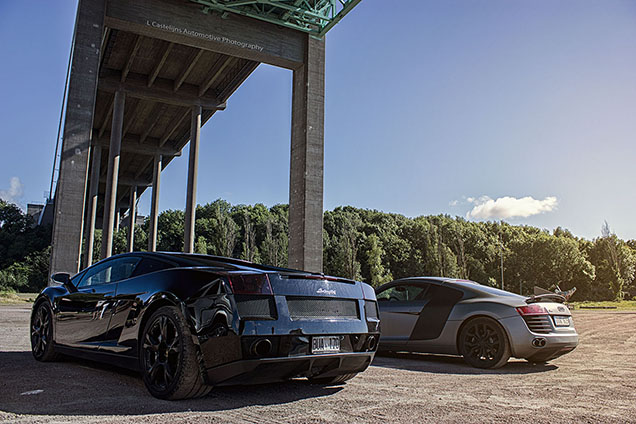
x: 371, y: 343
x: 261, y: 347
x: 539, y: 342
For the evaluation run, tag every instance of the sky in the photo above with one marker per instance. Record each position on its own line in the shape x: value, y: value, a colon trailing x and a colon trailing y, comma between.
x: 522, y: 111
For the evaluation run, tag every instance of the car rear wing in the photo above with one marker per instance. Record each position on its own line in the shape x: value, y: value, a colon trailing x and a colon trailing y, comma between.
x: 547, y: 297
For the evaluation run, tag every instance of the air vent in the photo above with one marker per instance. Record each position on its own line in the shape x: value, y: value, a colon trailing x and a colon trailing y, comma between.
x: 310, y: 307
x: 255, y: 307
x: 538, y: 323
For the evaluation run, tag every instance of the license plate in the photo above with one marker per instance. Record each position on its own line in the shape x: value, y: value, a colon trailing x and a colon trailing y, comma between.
x: 562, y: 321
x: 325, y: 344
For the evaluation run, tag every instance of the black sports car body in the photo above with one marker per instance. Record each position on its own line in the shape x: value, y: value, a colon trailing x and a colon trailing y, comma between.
x: 190, y: 322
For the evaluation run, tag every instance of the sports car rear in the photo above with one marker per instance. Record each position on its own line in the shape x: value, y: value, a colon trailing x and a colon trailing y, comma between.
x: 542, y: 331
x: 289, y: 325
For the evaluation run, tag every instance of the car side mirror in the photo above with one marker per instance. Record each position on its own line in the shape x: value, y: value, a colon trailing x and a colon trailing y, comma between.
x: 63, y: 279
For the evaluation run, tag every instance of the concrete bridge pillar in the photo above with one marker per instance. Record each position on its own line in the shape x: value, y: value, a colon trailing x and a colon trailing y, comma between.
x: 68, y: 221
x: 114, y: 152
x: 154, y: 203
x: 307, y: 160
x: 191, y: 191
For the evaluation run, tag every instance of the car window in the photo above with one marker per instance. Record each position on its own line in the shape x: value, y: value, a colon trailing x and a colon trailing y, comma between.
x: 403, y: 293
x: 76, y: 278
x: 109, y: 272
x: 148, y: 265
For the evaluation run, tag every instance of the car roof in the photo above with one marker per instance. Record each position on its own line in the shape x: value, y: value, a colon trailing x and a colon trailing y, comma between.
x: 229, y: 264
x: 432, y: 278
x: 473, y: 286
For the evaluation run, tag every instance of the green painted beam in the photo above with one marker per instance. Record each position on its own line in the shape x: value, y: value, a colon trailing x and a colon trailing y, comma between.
x: 315, y: 17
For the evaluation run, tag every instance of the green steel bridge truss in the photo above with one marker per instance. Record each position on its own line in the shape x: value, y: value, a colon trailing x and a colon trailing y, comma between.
x: 315, y: 17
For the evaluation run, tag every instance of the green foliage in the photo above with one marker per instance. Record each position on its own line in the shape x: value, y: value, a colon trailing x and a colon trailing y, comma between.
x: 28, y: 275
x: 215, y: 224
x: 19, y: 236
x: 362, y: 244
x: 615, y: 263
x: 375, y: 272
x: 24, y: 250
x: 341, y: 254
x: 170, y: 231
x: 546, y: 261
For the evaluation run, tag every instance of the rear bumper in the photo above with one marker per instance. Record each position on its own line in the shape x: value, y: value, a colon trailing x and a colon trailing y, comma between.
x: 235, y: 359
x: 270, y: 370
x: 539, y: 346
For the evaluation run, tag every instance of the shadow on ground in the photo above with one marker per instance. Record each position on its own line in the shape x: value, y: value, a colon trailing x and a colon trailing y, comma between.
x: 78, y: 387
x: 445, y: 364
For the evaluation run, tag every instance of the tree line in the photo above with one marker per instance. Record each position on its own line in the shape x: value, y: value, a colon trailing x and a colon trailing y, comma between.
x: 368, y: 245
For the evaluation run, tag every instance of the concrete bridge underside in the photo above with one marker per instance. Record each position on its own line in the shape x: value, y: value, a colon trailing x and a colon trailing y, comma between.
x: 145, y: 76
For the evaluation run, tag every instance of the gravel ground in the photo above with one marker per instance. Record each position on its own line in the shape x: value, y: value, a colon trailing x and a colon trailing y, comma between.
x: 595, y: 383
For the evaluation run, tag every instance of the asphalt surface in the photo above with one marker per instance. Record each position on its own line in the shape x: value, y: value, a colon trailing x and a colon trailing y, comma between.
x: 595, y: 383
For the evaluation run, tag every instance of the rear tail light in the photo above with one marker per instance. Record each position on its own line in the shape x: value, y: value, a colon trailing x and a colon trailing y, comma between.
x: 250, y: 284
x: 533, y: 309
x: 367, y: 292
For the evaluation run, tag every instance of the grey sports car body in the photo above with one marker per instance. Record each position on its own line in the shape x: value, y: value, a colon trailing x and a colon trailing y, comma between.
x: 484, y: 324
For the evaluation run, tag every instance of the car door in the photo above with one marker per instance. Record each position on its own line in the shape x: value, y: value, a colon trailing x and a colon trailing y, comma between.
x: 84, y: 315
x: 438, y: 302
x: 400, y: 306
x: 126, y: 302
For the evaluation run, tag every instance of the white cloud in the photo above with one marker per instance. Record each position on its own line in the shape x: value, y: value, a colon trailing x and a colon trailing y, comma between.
x: 14, y: 193
x: 510, y: 207
x: 454, y: 203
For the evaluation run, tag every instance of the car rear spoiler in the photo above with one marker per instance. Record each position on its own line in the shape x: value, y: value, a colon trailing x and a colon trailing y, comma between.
x: 547, y: 297
x: 315, y: 276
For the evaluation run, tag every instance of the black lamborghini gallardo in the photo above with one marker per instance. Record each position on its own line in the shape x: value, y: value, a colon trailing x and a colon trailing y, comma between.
x: 190, y: 322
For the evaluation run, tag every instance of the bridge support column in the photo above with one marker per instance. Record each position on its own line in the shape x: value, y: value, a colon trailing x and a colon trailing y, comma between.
x: 68, y: 222
x: 96, y: 162
x: 307, y: 160
x: 132, y: 215
x: 114, y: 151
x: 191, y: 193
x: 154, y: 204
x: 117, y: 218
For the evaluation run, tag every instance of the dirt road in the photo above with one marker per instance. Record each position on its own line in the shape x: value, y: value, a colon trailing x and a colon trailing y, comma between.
x: 595, y: 383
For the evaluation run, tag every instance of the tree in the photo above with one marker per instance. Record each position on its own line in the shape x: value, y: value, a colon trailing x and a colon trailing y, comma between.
x: 615, y: 264
x: 170, y: 231
x: 19, y: 236
x: 274, y: 247
x: 250, y: 251
x: 201, y: 246
x: 377, y: 275
x: 547, y: 261
x: 342, y: 258
x: 215, y: 224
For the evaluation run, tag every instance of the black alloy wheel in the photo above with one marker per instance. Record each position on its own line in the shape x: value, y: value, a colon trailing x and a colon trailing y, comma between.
x: 42, y: 333
x: 162, y: 352
x: 484, y: 343
x: 168, y: 357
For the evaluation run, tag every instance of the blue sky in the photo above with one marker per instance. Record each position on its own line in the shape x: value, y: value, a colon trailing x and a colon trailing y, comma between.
x: 498, y: 109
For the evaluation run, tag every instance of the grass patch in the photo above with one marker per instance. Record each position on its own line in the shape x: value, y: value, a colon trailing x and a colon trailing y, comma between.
x: 11, y: 297
x: 625, y: 305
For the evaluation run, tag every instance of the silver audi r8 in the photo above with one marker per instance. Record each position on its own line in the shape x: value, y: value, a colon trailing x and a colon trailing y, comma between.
x: 483, y: 324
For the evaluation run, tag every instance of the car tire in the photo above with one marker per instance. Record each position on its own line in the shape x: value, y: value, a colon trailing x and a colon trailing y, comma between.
x: 339, y: 379
x: 42, y: 341
x: 168, y: 357
x: 484, y: 344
